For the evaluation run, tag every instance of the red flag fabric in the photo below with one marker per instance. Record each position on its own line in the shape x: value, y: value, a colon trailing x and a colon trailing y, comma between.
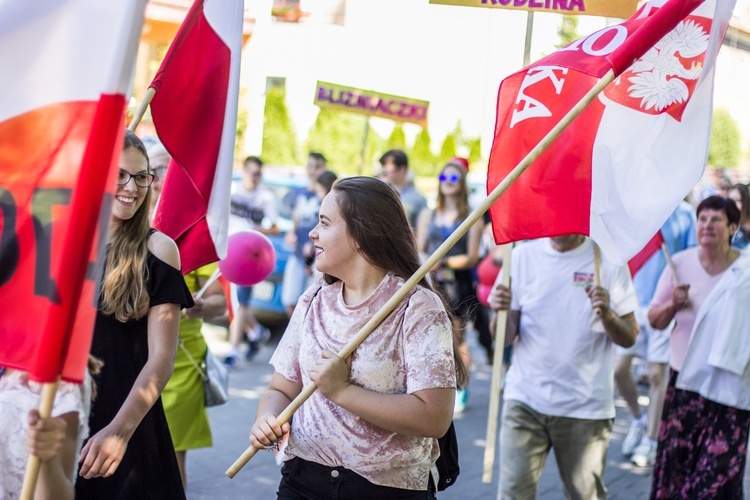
x: 617, y: 172
x: 61, y: 126
x: 195, y: 115
x: 653, y: 246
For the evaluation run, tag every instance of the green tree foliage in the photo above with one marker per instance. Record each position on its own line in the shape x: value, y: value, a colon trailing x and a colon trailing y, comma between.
x: 421, y: 158
x: 242, y: 122
x: 451, y: 143
x: 724, y: 148
x: 397, y: 139
x: 279, y: 138
x: 475, y: 150
x: 339, y: 135
x: 568, y: 30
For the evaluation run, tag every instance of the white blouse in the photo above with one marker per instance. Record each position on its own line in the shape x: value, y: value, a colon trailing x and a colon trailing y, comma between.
x: 18, y: 396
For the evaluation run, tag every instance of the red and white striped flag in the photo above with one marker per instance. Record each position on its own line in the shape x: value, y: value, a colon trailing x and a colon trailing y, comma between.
x: 67, y: 67
x: 195, y: 115
x: 653, y: 246
x: 619, y: 170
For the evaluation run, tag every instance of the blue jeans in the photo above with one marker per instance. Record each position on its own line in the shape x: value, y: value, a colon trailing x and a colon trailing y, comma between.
x: 305, y: 480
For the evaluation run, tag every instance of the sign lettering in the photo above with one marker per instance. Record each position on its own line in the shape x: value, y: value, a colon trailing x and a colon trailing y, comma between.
x: 371, y: 103
x: 606, y: 8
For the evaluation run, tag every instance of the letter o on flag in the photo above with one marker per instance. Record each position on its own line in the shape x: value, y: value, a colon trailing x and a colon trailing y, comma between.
x: 621, y: 33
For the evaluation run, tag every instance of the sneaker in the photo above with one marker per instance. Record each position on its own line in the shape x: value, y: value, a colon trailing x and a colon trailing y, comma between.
x: 645, y: 453
x: 253, y: 348
x: 259, y: 334
x: 231, y: 360
x: 634, y: 436
x: 460, y: 403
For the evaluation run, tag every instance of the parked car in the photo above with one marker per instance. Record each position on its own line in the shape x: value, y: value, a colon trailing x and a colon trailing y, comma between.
x: 266, y: 302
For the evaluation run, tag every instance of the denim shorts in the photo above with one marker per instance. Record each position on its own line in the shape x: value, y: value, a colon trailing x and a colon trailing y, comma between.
x: 244, y: 295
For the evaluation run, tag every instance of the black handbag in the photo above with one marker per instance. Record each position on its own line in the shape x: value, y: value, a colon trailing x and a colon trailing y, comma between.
x: 447, y: 462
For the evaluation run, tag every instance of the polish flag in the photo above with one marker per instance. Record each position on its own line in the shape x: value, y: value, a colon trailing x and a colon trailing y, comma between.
x: 195, y: 114
x: 67, y: 67
x: 653, y: 246
x: 619, y: 170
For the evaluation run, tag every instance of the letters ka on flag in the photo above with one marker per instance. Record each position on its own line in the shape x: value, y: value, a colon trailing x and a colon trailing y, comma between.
x: 195, y: 115
x: 619, y: 170
x: 67, y: 66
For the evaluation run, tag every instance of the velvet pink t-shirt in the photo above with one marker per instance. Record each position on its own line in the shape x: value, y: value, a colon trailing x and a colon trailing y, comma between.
x: 689, y: 272
x: 410, y: 351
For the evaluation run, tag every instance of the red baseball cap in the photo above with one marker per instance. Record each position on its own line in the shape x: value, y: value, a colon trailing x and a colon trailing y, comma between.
x: 461, y: 162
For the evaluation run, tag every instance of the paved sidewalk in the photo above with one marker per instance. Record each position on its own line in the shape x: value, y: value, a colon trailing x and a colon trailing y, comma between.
x: 259, y: 478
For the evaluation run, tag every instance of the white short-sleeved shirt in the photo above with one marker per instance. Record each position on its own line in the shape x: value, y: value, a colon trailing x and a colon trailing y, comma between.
x: 563, y: 360
x: 251, y: 209
x: 412, y: 350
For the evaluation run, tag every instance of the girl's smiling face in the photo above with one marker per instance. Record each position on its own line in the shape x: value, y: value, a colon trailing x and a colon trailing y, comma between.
x: 129, y: 196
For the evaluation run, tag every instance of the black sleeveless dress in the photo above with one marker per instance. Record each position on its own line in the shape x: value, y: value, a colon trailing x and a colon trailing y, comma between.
x: 149, y: 467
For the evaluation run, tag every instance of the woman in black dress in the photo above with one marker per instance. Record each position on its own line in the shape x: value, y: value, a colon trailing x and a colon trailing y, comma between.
x: 130, y: 452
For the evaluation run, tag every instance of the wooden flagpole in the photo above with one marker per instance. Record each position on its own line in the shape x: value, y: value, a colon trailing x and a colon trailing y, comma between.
x: 209, y: 282
x: 670, y: 263
x: 433, y: 259
x: 33, y: 464
x: 138, y: 116
x: 497, y: 376
x: 597, y: 274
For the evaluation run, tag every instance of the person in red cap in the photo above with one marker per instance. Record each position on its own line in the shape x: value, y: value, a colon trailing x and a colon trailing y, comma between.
x: 461, y: 162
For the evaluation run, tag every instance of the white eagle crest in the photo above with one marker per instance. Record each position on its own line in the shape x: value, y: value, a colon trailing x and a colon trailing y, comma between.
x: 658, y: 73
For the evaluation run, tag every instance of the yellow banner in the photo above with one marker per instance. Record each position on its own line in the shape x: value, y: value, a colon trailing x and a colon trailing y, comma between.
x: 606, y: 8
x: 367, y: 102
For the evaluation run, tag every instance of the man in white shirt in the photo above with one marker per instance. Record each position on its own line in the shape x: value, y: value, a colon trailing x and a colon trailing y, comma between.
x: 559, y: 389
x: 395, y: 171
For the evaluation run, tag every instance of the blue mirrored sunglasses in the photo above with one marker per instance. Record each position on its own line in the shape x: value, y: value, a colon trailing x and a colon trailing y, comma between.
x: 452, y: 178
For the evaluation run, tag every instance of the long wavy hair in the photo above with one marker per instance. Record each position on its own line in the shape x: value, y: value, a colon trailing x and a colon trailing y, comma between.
x: 463, y: 193
x: 376, y: 221
x: 124, y: 291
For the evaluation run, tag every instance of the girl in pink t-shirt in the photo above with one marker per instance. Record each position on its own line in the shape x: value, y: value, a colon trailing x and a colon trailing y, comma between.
x: 371, y: 429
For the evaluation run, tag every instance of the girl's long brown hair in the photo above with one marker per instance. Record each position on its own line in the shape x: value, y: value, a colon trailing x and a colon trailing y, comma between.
x: 124, y: 291
x: 376, y: 221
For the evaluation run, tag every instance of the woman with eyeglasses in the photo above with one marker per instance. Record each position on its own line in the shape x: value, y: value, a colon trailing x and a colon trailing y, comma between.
x: 453, y: 275
x: 130, y: 452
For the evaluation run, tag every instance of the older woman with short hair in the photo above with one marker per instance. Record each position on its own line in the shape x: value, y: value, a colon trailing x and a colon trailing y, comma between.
x: 704, y: 430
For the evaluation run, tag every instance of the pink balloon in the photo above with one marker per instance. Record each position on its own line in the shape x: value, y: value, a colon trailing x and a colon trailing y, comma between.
x: 487, y: 271
x: 250, y: 258
x: 483, y: 293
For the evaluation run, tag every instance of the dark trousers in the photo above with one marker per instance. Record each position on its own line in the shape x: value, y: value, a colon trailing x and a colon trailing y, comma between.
x: 311, y: 481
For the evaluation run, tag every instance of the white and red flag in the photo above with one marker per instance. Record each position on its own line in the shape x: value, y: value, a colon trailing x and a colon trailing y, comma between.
x: 195, y: 115
x: 67, y: 67
x: 639, y: 259
x: 619, y: 170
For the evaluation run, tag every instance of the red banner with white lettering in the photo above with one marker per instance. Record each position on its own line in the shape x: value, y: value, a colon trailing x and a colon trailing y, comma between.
x: 61, y: 128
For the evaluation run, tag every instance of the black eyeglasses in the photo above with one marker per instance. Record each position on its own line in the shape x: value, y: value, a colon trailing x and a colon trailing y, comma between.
x: 141, y: 180
x: 452, y: 178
